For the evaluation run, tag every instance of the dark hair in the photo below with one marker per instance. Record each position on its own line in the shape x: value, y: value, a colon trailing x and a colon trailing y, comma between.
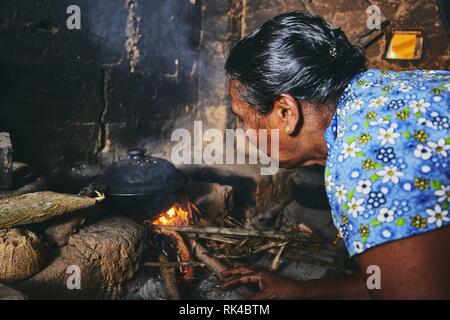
x: 294, y: 53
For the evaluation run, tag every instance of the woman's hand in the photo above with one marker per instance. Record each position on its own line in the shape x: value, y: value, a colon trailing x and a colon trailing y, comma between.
x: 271, y: 286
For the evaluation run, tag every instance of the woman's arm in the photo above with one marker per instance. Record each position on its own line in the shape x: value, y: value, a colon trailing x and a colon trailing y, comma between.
x: 351, y: 287
x: 411, y: 268
x: 273, y: 286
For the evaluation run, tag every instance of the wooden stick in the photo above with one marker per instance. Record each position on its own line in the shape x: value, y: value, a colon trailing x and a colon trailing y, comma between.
x: 308, y: 258
x: 269, y: 246
x: 183, y: 251
x: 239, y: 232
x: 276, y: 261
x: 218, y: 238
x: 216, y: 267
x: 174, y: 264
x: 169, y: 278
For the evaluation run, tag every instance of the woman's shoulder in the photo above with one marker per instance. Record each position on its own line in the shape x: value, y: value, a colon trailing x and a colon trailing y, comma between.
x: 391, y: 155
x: 392, y: 91
x: 388, y: 81
x: 405, y: 74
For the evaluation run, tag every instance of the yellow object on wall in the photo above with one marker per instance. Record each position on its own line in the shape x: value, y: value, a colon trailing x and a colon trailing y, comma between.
x: 405, y: 46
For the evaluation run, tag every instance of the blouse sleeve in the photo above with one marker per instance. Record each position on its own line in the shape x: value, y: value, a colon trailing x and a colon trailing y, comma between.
x: 392, y: 180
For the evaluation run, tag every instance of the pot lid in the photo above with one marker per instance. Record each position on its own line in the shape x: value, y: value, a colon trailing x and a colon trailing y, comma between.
x: 141, y: 175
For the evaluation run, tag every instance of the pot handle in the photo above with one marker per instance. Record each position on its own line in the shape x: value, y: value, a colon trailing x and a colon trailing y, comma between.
x: 137, y: 153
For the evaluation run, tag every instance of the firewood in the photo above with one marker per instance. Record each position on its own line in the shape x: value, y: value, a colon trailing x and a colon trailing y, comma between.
x: 216, y: 267
x: 308, y: 256
x: 21, y: 254
x: 304, y: 228
x: 231, y: 257
x: 183, y: 252
x: 269, y: 246
x: 40, y: 206
x: 173, y: 264
x: 169, y: 278
x: 276, y: 261
x: 218, y: 238
x: 241, y: 232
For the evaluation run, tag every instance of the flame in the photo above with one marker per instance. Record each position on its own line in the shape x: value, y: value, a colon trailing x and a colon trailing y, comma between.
x: 175, y: 216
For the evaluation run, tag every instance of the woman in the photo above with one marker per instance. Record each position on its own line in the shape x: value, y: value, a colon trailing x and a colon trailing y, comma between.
x: 384, y: 138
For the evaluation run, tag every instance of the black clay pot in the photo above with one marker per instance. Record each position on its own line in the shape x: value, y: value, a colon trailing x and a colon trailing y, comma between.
x: 140, y: 184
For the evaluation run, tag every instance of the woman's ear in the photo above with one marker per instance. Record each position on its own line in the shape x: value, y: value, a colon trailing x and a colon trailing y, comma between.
x: 288, y: 113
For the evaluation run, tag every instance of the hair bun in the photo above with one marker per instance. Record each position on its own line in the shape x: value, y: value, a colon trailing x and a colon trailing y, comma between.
x: 340, y: 45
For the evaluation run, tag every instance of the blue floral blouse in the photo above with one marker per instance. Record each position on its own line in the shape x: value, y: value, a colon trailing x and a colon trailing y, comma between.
x: 388, y: 169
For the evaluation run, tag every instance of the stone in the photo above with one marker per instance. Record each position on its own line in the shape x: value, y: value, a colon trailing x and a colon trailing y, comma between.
x: 253, y: 193
x: 21, y: 254
x: 209, y: 289
x: 61, y: 228
x: 146, y: 286
x: 6, y: 163
x: 215, y: 201
x: 7, y: 293
x: 295, y: 270
x: 318, y: 220
x: 107, y: 254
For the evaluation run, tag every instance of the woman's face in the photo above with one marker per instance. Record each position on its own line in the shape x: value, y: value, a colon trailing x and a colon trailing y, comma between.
x: 296, y: 146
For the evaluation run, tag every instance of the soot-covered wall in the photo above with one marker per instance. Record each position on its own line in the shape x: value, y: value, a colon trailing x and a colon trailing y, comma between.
x: 122, y: 80
x: 137, y: 69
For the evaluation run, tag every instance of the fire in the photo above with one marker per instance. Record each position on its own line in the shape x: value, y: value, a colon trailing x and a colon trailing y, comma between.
x: 175, y: 216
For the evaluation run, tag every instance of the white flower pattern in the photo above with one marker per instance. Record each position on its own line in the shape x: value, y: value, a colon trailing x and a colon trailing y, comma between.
x: 437, y: 215
x: 440, y: 147
x: 390, y: 174
x: 378, y: 102
x: 355, y: 206
x: 419, y: 106
x: 386, y: 215
x: 350, y: 150
x: 341, y: 194
x: 422, y: 152
x: 388, y: 136
x: 389, y: 159
x: 364, y: 186
x: 443, y: 193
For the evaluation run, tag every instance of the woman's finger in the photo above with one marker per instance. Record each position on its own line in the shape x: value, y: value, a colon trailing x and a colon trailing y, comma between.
x: 239, y: 270
x: 253, y: 278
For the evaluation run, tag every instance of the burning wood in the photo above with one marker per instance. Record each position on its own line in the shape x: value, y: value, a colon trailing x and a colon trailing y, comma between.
x: 177, y: 215
x: 183, y: 252
x: 219, y: 245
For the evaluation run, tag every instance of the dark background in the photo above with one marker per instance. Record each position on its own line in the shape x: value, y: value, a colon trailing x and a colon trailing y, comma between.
x: 77, y: 95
